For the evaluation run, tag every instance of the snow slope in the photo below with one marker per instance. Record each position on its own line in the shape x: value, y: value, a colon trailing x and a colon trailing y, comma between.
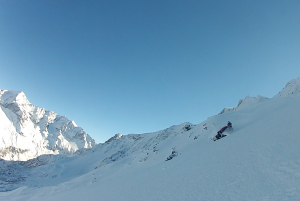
x: 259, y: 160
x: 27, y: 131
x: 245, y: 103
x: 291, y: 89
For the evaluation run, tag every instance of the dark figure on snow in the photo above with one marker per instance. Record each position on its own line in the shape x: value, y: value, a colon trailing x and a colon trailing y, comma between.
x: 220, y: 132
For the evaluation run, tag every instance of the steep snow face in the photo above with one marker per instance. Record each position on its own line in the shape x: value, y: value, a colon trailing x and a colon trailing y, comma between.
x: 246, y: 102
x: 291, y: 89
x: 257, y: 161
x: 27, y: 131
x: 7, y: 97
x: 116, y: 137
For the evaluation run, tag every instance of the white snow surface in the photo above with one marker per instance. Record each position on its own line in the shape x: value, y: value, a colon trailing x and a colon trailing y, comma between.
x: 27, y: 131
x: 291, y: 89
x: 245, y: 103
x: 259, y: 160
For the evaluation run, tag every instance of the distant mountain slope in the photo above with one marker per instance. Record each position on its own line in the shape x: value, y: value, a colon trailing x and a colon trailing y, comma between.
x: 245, y: 103
x: 27, y: 131
x: 291, y: 89
x: 259, y: 160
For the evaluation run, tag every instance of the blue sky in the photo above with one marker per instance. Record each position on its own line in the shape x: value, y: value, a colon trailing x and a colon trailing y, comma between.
x: 142, y: 66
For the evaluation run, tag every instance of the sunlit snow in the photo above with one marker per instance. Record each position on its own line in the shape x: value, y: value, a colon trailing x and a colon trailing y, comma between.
x: 259, y: 160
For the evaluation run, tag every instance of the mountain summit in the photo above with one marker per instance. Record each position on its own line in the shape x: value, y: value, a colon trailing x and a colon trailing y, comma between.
x: 27, y: 131
x: 291, y: 89
x: 246, y: 102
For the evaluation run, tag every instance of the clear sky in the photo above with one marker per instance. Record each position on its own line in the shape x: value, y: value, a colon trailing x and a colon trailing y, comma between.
x: 142, y: 66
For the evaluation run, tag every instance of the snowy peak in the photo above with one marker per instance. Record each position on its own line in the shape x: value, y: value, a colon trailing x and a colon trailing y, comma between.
x: 250, y: 101
x: 291, y: 89
x: 27, y: 131
x: 180, y: 154
x: 246, y: 102
x: 7, y: 97
x: 116, y: 137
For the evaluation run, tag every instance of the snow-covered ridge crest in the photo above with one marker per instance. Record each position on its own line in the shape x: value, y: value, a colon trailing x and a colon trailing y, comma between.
x: 116, y: 137
x: 291, y: 89
x: 246, y: 102
x: 180, y: 155
x: 7, y: 97
x: 27, y: 131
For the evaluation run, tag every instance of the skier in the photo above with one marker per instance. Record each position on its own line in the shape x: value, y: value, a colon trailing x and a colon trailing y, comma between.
x: 220, y: 135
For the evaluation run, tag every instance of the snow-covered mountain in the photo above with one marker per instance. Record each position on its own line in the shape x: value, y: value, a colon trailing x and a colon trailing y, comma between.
x: 27, y: 131
x: 246, y: 102
x: 259, y: 160
x: 291, y: 89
